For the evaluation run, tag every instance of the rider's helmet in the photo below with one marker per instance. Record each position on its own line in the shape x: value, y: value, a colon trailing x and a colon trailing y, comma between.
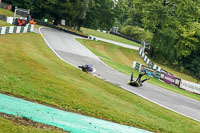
x: 90, y: 68
x: 89, y: 65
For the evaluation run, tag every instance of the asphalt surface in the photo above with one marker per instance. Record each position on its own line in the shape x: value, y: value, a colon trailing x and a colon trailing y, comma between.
x: 66, y: 47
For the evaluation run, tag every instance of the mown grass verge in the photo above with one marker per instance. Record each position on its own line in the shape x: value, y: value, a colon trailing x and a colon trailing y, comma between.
x: 38, y: 26
x: 73, y: 30
x: 108, y: 36
x: 3, y: 23
x: 6, y: 12
x: 29, y: 69
x: 7, y: 126
x: 122, y: 58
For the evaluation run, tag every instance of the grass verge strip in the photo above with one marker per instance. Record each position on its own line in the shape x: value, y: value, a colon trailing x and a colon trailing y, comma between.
x: 14, y: 124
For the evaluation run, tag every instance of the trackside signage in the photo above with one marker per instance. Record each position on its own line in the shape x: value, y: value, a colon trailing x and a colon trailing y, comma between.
x: 170, y: 79
x: 189, y: 86
x: 149, y: 71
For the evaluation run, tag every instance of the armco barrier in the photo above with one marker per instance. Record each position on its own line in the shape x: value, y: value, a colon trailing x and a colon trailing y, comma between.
x: 92, y: 38
x: 16, y: 29
x: 148, y: 61
x: 9, y: 20
x: 170, y: 79
x: 189, y: 86
x: 136, y: 66
x: 104, y: 31
x: 2, y: 17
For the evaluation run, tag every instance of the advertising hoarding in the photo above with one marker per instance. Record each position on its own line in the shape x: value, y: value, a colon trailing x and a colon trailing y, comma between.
x: 148, y: 70
x: 170, y: 79
x: 189, y: 86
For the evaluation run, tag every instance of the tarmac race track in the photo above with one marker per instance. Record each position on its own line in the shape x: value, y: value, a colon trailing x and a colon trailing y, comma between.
x: 66, y: 47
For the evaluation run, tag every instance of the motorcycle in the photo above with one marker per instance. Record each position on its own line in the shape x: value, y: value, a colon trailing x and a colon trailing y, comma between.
x: 87, y: 68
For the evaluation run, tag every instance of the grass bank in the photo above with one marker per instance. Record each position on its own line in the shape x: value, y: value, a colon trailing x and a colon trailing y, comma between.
x: 122, y: 58
x: 3, y: 23
x: 7, y: 126
x: 108, y: 36
x: 73, y: 30
x: 6, y: 12
x: 38, y: 26
x: 29, y: 69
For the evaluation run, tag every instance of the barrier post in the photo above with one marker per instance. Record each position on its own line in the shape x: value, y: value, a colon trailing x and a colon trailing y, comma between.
x: 22, y: 29
x: 7, y: 30
x: 15, y: 29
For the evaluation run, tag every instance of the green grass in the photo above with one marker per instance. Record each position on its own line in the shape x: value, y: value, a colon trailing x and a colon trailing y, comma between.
x: 38, y: 26
x: 6, y: 12
x: 73, y: 30
x: 7, y: 126
x: 31, y: 70
x: 108, y: 36
x: 122, y: 58
x: 3, y: 23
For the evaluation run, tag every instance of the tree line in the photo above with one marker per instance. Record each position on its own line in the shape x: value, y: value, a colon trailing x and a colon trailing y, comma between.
x: 171, y: 26
x: 89, y: 13
x: 175, y: 29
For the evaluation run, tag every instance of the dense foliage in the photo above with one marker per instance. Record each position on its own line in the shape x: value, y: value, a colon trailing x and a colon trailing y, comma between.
x: 90, y: 13
x: 175, y: 28
x: 137, y: 33
x: 171, y: 26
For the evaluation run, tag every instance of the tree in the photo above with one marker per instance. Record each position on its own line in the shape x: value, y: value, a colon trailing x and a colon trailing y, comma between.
x: 166, y: 20
x: 159, y: 19
x: 120, y: 11
x: 135, y: 12
x: 191, y: 56
x: 101, y: 14
x: 78, y: 13
x: 56, y: 9
x: 26, y: 4
x: 175, y: 29
x: 188, y: 41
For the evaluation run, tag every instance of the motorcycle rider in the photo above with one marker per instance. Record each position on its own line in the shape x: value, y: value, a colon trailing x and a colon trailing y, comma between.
x: 86, y: 68
x: 138, y: 82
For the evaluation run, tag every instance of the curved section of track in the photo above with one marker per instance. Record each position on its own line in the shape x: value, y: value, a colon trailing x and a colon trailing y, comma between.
x: 71, y: 51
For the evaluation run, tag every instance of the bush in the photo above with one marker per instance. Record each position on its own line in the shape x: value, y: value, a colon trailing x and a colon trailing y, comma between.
x: 126, y: 30
x: 137, y: 33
